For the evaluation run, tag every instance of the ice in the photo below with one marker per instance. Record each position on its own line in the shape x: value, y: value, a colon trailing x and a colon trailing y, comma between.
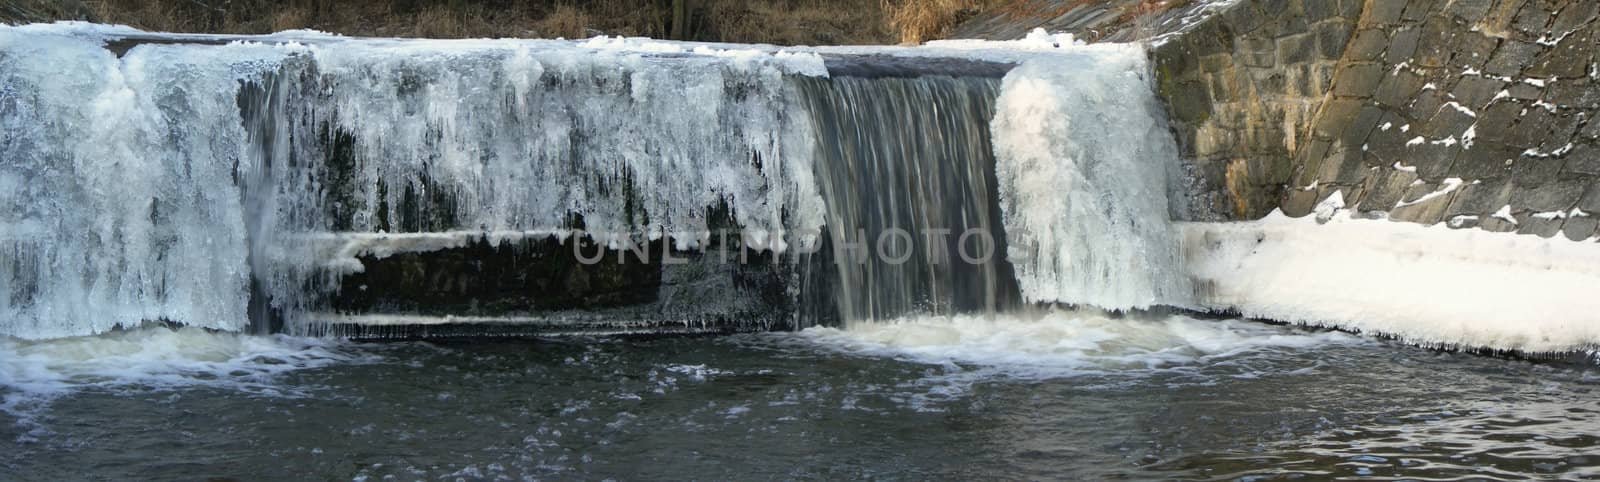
x: 120, y: 207
x: 159, y: 185
x: 1082, y: 163
x: 1430, y: 285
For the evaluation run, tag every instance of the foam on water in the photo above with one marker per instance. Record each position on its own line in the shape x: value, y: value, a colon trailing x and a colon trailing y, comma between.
x: 1063, y: 343
x: 33, y: 373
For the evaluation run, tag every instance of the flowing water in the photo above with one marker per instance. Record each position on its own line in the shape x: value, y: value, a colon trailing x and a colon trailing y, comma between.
x: 1056, y: 395
x: 231, y: 185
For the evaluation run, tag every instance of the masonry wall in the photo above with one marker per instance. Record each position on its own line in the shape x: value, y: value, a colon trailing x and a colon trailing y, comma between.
x: 1474, y: 113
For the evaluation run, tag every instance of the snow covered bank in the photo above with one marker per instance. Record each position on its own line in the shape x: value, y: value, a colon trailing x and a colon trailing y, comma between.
x: 1430, y: 285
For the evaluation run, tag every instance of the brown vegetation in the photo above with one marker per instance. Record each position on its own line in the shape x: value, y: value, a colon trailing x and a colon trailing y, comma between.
x: 761, y: 21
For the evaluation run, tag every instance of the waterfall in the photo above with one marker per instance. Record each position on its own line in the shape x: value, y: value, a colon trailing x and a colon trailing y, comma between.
x: 1083, y: 163
x: 907, y: 174
x: 207, y: 181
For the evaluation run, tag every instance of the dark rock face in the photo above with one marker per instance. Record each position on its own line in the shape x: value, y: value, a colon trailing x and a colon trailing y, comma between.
x: 1427, y: 111
x: 548, y: 286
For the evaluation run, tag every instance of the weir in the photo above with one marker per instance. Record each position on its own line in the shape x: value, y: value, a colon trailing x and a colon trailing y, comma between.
x: 378, y: 188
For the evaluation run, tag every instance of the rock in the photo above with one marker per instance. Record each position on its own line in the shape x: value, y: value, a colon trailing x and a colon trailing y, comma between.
x: 1417, y: 210
x: 1580, y: 228
x: 1544, y: 227
x: 1512, y: 57
x: 1469, y: 10
x: 1403, y: 45
x: 1552, y: 196
x: 1359, y: 80
x: 1294, y: 49
x: 1475, y: 92
x: 1369, y: 44
x: 1332, y: 37
x: 1480, y: 199
x: 1387, y: 189
x: 1584, y: 159
x: 1385, y: 12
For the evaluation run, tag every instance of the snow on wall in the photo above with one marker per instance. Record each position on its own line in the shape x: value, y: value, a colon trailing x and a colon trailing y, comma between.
x: 1426, y: 284
x: 1082, y: 163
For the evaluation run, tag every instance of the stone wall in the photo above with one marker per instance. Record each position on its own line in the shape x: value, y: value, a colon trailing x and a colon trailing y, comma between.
x: 1476, y: 113
x: 1469, y: 112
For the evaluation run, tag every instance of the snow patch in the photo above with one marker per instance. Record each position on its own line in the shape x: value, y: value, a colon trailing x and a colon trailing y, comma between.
x: 1432, y: 285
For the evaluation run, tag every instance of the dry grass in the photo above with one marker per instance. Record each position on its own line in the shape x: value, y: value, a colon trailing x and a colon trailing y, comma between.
x: 917, y: 21
x: 763, y: 21
x: 782, y: 22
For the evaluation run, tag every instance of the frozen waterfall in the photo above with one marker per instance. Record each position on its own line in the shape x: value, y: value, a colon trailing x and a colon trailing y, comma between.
x: 154, y: 177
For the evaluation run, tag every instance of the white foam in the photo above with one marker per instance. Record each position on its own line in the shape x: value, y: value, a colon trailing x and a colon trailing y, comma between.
x: 1426, y: 284
x: 1062, y: 343
x: 34, y: 373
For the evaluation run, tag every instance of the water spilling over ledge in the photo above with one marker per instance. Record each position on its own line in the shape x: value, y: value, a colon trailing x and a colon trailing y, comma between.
x: 375, y: 188
x: 307, y: 183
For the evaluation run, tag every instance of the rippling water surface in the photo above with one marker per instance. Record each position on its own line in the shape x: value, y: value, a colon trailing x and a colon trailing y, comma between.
x: 1053, y: 395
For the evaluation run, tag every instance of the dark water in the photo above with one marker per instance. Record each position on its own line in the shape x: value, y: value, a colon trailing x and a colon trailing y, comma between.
x: 1054, y: 396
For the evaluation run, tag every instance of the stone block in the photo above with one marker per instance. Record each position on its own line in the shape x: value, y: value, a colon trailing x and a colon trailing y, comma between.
x: 1474, y: 92
x: 1577, y: 93
x: 1524, y: 91
x: 1544, y: 227
x: 1484, y: 163
x: 1351, y: 9
x: 1387, y: 188
x: 1403, y: 45
x: 1573, y: 15
x: 1319, y: 10
x: 1294, y: 49
x: 1563, y: 131
x: 1552, y: 196
x: 1358, y: 80
x: 1342, y: 166
x: 1436, y: 46
x: 1417, y: 10
x: 1426, y: 104
x: 1512, y: 57
x: 1469, y: 11
x: 1309, y: 162
x: 1496, y: 122
x: 1417, y: 210
x: 1584, y: 160
x: 1332, y: 38
x: 1472, y: 49
x: 1298, y: 202
x: 1398, y: 88
x: 1531, y: 129
x: 1433, y: 161
x: 1190, y: 102
x: 1535, y: 172
x: 1570, y: 58
x: 1336, y: 114
x: 1369, y: 44
x: 1361, y: 127
x: 1580, y: 228
x: 1532, y: 20
x: 1384, y: 11
x: 1448, y: 121
x: 1481, y: 199
x: 1590, y: 200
